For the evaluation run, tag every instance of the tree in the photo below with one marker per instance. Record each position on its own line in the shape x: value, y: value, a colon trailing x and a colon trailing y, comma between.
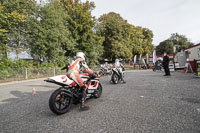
x: 49, y: 36
x: 81, y: 24
x: 17, y: 12
x: 147, y: 41
x: 136, y: 37
x: 180, y: 41
x: 122, y: 40
x: 165, y: 46
x: 16, y: 31
x: 112, y: 27
x: 3, y: 33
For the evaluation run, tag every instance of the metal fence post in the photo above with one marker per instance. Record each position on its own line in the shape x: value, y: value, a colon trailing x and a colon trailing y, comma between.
x: 54, y: 71
x: 26, y: 73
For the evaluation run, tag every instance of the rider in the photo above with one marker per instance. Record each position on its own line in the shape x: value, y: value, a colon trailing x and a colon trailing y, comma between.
x: 74, y: 73
x: 119, y: 67
x: 105, y: 66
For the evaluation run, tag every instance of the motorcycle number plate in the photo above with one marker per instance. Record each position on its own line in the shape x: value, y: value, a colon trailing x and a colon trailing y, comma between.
x: 90, y: 91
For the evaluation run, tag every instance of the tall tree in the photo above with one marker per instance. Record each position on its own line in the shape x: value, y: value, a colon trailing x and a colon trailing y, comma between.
x: 81, y: 23
x: 165, y: 46
x: 137, y: 40
x: 179, y: 41
x: 122, y: 40
x: 49, y: 36
x: 112, y: 27
x: 3, y: 33
x: 18, y: 12
x: 147, y: 41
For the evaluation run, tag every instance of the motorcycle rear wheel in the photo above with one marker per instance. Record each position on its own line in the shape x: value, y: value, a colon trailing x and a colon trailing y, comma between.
x: 60, y: 102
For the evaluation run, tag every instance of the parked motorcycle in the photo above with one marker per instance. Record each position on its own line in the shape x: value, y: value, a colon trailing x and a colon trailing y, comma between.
x: 69, y: 93
x: 115, y: 77
x: 157, y: 66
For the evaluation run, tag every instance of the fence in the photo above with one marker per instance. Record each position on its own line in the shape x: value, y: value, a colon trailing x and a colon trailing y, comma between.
x: 28, y: 73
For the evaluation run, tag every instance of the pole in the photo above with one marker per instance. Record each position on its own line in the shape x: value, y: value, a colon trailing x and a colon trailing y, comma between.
x: 174, y: 51
x: 26, y: 71
x: 54, y: 71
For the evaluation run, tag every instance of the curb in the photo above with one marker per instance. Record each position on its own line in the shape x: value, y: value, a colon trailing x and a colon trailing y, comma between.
x: 21, y: 81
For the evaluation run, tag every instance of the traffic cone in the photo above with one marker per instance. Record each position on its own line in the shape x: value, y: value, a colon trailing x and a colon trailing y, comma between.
x: 33, y: 91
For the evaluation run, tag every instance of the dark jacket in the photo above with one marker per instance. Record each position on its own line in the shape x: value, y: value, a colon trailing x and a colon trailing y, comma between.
x: 165, y: 62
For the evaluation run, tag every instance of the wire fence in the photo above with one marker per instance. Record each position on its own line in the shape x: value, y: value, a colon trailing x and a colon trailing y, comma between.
x: 28, y: 73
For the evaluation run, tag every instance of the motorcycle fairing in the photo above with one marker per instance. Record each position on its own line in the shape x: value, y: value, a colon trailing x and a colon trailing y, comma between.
x: 65, y: 81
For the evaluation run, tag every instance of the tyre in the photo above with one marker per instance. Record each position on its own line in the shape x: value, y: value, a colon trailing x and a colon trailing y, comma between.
x: 154, y: 68
x: 100, y: 73
x: 115, y: 78
x: 98, y: 92
x: 60, y: 102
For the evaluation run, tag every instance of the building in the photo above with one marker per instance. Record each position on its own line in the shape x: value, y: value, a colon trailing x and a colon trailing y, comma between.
x: 193, y: 52
x: 193, y: 55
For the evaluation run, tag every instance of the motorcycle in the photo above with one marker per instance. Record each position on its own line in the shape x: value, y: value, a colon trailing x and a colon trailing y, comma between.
x: 104, y: 71
x: 69, y: 93
x: 157, y: 66
x: 115, y: 77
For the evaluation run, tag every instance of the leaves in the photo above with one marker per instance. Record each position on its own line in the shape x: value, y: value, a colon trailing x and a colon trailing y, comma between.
x: 55, y: 31
x: 122, y: 40
x: 179, y: 41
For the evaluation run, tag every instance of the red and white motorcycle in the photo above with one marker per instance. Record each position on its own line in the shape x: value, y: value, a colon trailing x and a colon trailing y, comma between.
x: 69, y: 93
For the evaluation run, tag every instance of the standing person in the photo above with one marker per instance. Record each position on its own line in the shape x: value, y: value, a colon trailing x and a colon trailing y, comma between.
x: 165, y: 64
x: 74, y: 73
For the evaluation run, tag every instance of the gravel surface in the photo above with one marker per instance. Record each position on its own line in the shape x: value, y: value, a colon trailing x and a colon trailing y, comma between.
x: 148, y: 103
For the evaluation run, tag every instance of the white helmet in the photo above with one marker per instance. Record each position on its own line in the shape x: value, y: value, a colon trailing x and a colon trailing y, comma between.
x: 116, y: 60
x: 81, y: 54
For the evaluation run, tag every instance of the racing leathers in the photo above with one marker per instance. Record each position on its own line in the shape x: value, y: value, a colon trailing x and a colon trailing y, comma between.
x: 74, y: 74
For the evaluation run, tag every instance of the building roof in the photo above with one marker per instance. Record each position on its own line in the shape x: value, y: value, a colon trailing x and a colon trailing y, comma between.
x: 193, y: 46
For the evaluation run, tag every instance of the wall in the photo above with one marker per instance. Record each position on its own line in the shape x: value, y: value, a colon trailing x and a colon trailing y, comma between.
x: 194, y: 53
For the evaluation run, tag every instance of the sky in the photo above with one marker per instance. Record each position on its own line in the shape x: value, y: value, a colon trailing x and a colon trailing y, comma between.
x: 163, y: 17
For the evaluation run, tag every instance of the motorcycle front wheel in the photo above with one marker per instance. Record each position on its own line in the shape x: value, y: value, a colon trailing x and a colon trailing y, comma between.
x: 98, y: 92
x: 100, y: 73
x: 60, y: 102
x: 115, y: 78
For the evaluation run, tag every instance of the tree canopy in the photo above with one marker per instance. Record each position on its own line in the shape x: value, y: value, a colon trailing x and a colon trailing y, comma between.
x: 121, y: 39
x: 179, y: 41
x: 53, y: 32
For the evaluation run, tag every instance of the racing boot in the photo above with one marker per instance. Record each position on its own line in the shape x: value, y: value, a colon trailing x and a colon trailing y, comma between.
x: 83, y: 106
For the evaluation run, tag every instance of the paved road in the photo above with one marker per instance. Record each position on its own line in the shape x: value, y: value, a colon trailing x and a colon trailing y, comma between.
x: 147, y: 103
